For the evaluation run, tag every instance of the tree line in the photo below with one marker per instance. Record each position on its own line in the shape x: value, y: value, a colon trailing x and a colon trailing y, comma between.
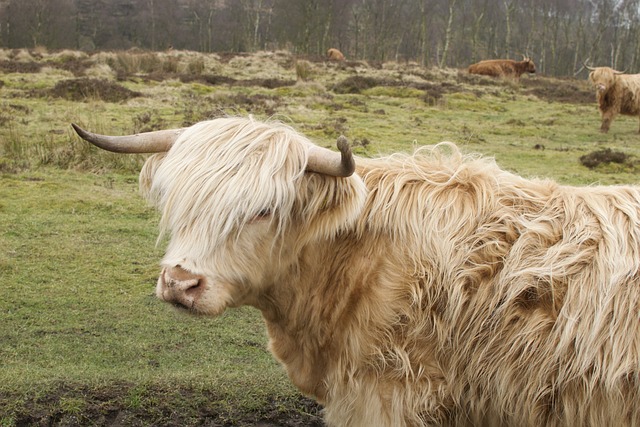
x: 559, y: 35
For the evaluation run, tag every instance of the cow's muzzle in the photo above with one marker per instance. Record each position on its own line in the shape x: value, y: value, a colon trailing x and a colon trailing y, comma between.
x: 180, y: 287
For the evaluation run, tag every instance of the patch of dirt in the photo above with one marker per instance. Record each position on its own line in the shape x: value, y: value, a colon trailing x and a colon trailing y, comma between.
x: 128, y: 405
x: 356, y: 84
x: 433, y: 92
x: 215, y: 79
x: 206, y: 108
x: 607, y: 155
x: 210, y: 79
x: 266, y: 83
x: 74, y: 65
x: 254, y: 104
x: 83, y: 89
x: 546, y: 88
x: 560, y: 90
x: 20, y: 67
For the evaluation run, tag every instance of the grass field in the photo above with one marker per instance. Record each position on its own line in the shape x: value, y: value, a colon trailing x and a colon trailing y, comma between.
x: 83, y: 340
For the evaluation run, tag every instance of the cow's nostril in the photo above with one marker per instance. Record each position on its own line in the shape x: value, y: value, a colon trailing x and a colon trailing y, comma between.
x: 181, y: 287
x: 193, y: 286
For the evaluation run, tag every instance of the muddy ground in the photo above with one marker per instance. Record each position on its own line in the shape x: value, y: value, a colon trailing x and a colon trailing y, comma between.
x: 114, y: 406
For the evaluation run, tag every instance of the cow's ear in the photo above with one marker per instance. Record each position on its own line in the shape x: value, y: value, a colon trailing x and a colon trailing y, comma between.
x: 327, y: 205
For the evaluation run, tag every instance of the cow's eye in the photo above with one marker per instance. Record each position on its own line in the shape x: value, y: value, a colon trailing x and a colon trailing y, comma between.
x: 264, y: 213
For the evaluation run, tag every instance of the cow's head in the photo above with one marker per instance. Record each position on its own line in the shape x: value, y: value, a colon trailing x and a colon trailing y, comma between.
x: 529, y: 66
x: 238, y: 198
x: 603, y: 78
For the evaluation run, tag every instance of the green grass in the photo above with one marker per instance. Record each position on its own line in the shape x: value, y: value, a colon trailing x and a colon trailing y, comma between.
x: 82, y: 336
x: 78, y: 267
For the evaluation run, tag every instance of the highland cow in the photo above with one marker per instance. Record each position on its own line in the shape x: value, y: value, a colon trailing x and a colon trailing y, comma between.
x: 616, y: 93
x: 335, y: 55
x: 503, y: 67
x: 425, y: 289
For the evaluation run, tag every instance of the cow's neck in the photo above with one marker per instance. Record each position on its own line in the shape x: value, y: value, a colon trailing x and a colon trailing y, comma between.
x: 315, y: 318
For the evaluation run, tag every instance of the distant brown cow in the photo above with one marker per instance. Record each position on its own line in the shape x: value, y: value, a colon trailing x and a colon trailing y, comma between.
x: 335, y: 55
x: 616, y: 92
x: 503, y: 67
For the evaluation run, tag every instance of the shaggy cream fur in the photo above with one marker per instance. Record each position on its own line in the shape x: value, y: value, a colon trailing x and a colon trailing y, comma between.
x: 426, y: 289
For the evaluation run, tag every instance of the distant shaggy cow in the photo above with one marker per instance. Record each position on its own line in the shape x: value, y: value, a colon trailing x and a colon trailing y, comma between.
x: 503, y: 67
x: 335, y: 55
x: 424, y: 289
x: 616, y: 92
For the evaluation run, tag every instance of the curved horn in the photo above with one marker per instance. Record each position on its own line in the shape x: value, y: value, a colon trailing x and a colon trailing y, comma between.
x: 148, y: 142
x: 525, y: 56
x: 584, y: 63
x: 327, y: 162
x: 619, y: 72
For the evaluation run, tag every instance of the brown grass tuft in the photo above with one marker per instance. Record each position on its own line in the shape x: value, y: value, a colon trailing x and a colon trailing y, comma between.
x: 84, y: 89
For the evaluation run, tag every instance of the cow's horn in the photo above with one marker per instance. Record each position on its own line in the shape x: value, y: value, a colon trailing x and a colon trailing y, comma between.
x: 584, y: 63
x: 324, y: 161
x: 148, y: 142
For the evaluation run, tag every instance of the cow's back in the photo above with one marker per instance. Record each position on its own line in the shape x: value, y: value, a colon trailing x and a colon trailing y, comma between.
x: 492, y: 67
x: 522, y: 299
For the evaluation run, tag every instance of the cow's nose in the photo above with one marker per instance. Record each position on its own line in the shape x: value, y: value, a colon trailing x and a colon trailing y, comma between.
x: 179, y: 286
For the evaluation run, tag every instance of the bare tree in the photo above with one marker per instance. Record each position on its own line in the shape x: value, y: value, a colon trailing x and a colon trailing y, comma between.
x: 509, y: 8
x: 259, y: 9
x: 426, y: 6
x: 447, y: 34
x: 558, y: 34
